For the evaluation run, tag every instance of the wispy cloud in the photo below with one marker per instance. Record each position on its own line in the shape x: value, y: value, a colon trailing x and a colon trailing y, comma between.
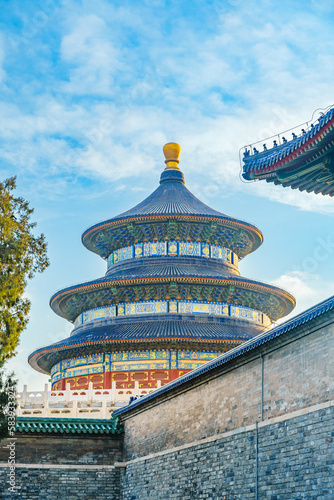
x: 307, y: 288
x: 124, y: 79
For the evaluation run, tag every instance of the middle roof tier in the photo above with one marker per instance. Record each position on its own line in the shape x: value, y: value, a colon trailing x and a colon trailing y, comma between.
x: 181, y: 278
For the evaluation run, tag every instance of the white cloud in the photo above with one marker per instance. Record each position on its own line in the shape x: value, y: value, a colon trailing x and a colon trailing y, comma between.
x: 308, y: 202
x: 92, y: 59
x: 137, y: 85
x: 307, y: 288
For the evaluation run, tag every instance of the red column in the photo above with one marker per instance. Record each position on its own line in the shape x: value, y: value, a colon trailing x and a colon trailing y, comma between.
x: 107, y: 380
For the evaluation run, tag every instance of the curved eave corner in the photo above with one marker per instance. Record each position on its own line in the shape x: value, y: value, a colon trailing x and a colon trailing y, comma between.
x: 265, y: 164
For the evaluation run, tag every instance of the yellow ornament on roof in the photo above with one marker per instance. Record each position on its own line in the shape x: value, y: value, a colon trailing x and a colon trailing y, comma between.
x: 172, y: 152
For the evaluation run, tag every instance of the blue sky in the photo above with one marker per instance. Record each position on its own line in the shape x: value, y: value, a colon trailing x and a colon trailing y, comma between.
x: 91, y: 91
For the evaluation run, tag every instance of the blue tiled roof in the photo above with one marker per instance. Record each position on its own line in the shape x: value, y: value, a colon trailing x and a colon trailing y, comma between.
x: 162, y: 270
x: 170, y: 266
x: 257, y: 162
x: 170, y: 198
x: 42, y: 425
x: 118, y: 330
x: 303, y: 318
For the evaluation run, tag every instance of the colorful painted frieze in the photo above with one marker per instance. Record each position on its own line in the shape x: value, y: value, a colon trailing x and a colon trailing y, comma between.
x: 100, y: 313
x: 140, y: 366
x: 190, y: 365
x: 138, y: 250
x: 217, y: 252
x: 246, y: 313
x: 154, y: 249
x: 201, y: 355
x: 190, y: 248
x: 173, y: 306
x: 95, y: 314
x: 123, y: 254
x: 161, y: 354
x: 56, y: 377
x: 173, y: 359
x: 84, y: 360
x: 121, y: 310
x: 199, y: 308
x: 221, y: 253
x: 173, y: 248
x: 139, y: 355
x: 205, y: 250
x: 136, y: 364
x: 55, y: 368
x: 82, y: 371
x: 146, y: 308
x: 110, y: 260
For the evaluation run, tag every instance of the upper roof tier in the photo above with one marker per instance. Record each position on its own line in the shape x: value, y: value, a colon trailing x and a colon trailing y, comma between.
x: 168, y: 213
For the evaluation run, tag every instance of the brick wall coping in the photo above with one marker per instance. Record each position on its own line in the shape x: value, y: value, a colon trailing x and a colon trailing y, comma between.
x: 240, y: 430
x: 324, y: 310
x: 57, y: 466
x: 67, y: 426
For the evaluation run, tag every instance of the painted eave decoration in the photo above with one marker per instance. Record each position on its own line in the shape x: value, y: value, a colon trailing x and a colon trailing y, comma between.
x: 306, y: 162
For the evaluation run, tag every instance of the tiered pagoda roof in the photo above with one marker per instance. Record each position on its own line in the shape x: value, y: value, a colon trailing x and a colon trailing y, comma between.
x: 172, y: 282
x: 306, y: 162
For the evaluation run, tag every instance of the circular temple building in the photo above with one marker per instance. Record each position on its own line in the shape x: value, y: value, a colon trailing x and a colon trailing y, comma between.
x: 172, y: 297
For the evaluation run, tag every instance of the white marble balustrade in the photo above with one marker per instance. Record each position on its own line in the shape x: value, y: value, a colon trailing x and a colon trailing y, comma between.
x: 76, y: 403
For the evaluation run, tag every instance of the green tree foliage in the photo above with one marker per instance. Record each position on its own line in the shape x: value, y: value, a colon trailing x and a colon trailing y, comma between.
x: 22, y: 254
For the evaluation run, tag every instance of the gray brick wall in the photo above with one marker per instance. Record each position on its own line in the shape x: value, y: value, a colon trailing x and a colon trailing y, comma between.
x: 39, y: 448
x: 62, y: 467
x: 62, y: 484
x: 297, y: 375
x: 290, y: 456
x: 295, y: 461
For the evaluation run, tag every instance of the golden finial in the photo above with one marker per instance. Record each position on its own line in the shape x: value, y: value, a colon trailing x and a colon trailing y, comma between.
x: 172, y: 152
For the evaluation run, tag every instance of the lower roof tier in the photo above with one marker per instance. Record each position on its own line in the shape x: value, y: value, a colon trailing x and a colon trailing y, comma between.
x: 195, y: 332
x: 165, y: 280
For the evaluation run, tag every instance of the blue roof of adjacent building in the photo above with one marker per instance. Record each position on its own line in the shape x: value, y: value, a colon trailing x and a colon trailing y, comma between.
x: 258, y: 161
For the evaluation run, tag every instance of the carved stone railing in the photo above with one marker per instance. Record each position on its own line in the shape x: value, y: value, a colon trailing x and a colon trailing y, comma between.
x: 77, y: 403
